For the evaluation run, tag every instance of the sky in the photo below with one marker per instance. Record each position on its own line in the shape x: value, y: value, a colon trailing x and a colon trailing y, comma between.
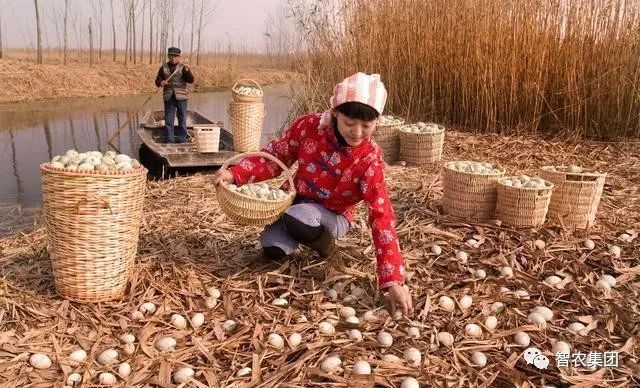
x: 238, y: 23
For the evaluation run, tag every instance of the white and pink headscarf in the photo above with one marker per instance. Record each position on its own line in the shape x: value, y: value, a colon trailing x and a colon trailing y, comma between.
x: 360, y: 87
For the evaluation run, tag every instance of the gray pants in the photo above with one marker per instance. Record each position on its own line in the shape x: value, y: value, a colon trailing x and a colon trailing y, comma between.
x: 311, y: 214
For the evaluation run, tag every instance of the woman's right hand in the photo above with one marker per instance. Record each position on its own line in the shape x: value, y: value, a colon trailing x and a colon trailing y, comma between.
x: 222, y: 176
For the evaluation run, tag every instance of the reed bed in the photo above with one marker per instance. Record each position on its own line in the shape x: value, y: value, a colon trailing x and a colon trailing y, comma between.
x: 188, y: 245
x: 518, y: 66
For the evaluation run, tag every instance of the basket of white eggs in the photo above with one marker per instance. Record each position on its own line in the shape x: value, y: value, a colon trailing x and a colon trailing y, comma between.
x: 250, y: 91
x: 92, y: 205
x: 256, y: 204
x: 523, y: 201
x: 387, y: 137
x: 576, y: 196
x: 421, y: 143
x: 470, y: 189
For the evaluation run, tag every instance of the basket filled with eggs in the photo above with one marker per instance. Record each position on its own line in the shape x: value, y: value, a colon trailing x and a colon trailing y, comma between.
x: 576, y: 196
x: 255, y: 204
x: 387, y: 137
x: 247, y: 90
x: 92, y: 205
x: 470, y: 189
x: 523, y: 201
x: 421, y: 143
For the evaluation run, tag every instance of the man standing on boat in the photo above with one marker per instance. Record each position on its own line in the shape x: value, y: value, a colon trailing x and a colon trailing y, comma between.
x: 175, y: 94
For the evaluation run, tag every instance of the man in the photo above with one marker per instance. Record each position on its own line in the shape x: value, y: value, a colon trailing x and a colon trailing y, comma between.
x: 175, y: 94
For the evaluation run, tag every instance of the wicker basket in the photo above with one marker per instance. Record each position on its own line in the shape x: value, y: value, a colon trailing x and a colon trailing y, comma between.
x: 247, y: 120
x: 386, y: 136
x: 207, y: 138
x: 92, y: 222
x: 237, y: 97
x: 523, y: 206
x: 249, y: 210
x: 469, y: 196
x: 576, y: 196
x: 421, y: 148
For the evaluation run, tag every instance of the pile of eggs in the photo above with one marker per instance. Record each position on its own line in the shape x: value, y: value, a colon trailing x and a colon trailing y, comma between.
x: 473, y: 167
x: 73, y: 160
x: 248, y: 91
x: 389, y: 120
x: 259, y: 191
x: 571, y: 169
x: 421, y: 127
x: 524, y: 181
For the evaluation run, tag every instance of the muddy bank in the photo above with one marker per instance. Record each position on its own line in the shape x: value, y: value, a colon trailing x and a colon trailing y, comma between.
x: 25, y: 81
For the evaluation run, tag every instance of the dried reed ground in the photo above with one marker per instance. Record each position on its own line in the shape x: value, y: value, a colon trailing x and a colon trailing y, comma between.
x: 187, y: 245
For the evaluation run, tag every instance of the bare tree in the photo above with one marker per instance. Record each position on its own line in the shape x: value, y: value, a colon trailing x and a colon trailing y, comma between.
x: 90, y: 44
x: 206, y: 16
x: 1, y: 37
x: 97, y: 13
x: 150, y: 34
x: 113, y: 28
x: 193, y: 24
x: 53, y: 17
x: 66, y: 29
x: 39, y: 57
x: 142, y: 31
x: 132, y: 16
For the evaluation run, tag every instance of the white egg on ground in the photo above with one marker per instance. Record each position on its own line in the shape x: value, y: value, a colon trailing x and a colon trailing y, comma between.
x: 478, y: 359
x: 40, y: 361
x: 410, y: 382
x: 280, y: 302
x: 589, y: 244
x: 465, y: 302
x: 124, y: 370
x: 603, y: 285
x: 294, y: 339
x: 413, y: 332
x: 326, y: 328
x: 331, y: 364
x: 385, y: 339
x: 178, y: 321
x: 369, y: 316
x: 480, y: 274
x: 445, y: 338
x: 183, y: 375
x: 353, y: 320
x: 229, y: 325
x: 166, y: 344
x: 74, y: 379
x: 491, y: 322
x: 615, y: 251
x: 462, y: 257
x: 276, y: 340
x: 546, y: 312
x: 609, y: 279
x: 576, y: 327
x: 446, y: 303
x: 473, y: 330
x: 497, y: 307
x: 506, y: 272
x: 436, y: 250
x: 538, y: 320
x: 413, y: 356
x: 106, y: 378
x: 361, y: 367
x: 246, y: 371
x: 331, y: 294
x: 108, y: 357
x: 197, y: 320
x: 561, y: 347
x: 346, y: 312
x: 355, y: 335
x: 78, y: 355
x: 522, y: 338
x: 552, y: 280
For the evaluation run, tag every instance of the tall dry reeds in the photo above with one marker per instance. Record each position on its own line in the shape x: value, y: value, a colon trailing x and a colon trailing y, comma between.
x: 492, y: 65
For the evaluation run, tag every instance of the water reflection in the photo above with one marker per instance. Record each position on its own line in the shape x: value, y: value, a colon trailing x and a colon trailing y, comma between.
x: 32, y: 133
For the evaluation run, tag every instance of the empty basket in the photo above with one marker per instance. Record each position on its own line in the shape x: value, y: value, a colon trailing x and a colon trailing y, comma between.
x: 207, y: 138
x: 247, y: 119
x: 93, y: 222
x: 576, y: 196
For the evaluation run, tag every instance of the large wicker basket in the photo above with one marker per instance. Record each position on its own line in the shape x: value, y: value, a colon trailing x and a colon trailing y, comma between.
x: 207, y: 138
x: 523, y: 206
x: 92, y: 222
x: 247, y: 119
x: 421, y: 148
x: 386, y: 136
x: 576, y: 196
x: 252, y: 211
x: 238, y: 97
x: 469, y: 196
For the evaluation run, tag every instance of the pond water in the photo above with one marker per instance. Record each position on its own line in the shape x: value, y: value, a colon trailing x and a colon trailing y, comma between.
x: 33, y: 132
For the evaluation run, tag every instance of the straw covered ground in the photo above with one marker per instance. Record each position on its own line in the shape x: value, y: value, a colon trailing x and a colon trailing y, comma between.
x: 187, y: 246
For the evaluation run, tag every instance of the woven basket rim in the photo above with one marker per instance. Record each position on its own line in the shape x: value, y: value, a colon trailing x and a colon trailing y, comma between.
x: 391, y: 125
x: 441, y: 129
x: 587, y: 174
x: 546, y: 182
x: 498, y: 167
x: 289, y: 192
x: 47, y: 167
x: 233, y: 88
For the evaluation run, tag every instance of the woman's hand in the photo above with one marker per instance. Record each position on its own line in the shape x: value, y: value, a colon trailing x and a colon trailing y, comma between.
x: 222, y: 176
x: 400, y: 300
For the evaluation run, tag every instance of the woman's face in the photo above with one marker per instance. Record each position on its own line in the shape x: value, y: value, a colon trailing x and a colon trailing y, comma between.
x: 354, y: 131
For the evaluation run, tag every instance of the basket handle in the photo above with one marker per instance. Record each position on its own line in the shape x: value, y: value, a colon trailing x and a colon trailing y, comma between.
x: 247, y: 79
x: 286, y: 170
x: 93, y: 198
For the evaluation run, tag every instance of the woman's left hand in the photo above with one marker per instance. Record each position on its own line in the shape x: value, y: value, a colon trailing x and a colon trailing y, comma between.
x: 400, y: 300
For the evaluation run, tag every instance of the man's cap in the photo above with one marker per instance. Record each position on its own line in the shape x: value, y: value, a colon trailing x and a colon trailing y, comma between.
x: 173, y: 51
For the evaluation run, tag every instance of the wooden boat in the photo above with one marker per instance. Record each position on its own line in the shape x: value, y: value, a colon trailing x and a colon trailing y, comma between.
x: 152, y: 133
